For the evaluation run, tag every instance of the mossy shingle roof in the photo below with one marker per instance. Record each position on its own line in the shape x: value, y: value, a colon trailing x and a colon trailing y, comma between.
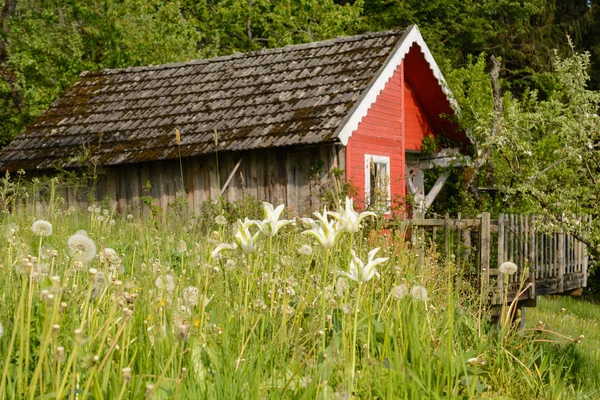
x: 294, y: 95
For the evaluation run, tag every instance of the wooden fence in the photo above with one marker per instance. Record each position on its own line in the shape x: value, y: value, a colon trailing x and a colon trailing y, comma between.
x: 548, y: 263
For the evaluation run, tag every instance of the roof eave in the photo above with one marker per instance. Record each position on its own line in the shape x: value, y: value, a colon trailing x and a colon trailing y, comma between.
x: 364, y: 103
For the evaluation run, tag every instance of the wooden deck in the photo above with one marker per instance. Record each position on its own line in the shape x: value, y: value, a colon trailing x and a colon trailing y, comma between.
x: 548, y: 262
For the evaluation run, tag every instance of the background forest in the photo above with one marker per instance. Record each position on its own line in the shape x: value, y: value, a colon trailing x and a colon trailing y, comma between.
x: 45, y: 44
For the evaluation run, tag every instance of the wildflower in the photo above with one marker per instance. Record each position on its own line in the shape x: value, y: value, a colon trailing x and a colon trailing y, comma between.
x: 41, y: 228
x: 229, y: 264
x: 221, y: 220
x: 48, y: 252
x: 129, y: 217
x: 305, y: 250
x: 507, y: 268
x: 221, y: 247
x: 99, y: 284
x: 82, y: 248
x: 105, y: 212
x: 109, y: 255
x: 473, y: 361
x: 190, y: 295
x: 271, y: 224
x: 360, y: 272
x: 350, y: 219
x: 167, y: 283
x: 183, y: 330
x: 243, y: 238
x: 400, y: 291
x: 90, y: 209
x: 326, y: 232
x: 182, y: 246
x: 419, y: 293
x: 100, y: 218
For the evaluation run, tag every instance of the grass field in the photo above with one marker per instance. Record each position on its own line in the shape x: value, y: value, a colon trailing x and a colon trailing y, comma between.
x: 99, y: 305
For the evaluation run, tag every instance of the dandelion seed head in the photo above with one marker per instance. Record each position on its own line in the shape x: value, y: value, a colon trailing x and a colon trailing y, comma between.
x: 109, y: 255
x: 82, y: 232
x: 100, y: 218
x: 221, y: 220
x: 41, y: 228
x: 419, y: 293
x: 305, y: 250
x: 129, y: 217
x: 182, y: 246
x: 82, y: 248
x: 190, y: 295
x: 399, y: 291
x: 167, y: 283
x: 508, y: 268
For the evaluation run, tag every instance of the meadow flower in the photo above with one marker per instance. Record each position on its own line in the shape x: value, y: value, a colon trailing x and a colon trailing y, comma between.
x: 221, y: 247
x: 41, y: 228
x: 243, y: 238
x: 48, y: 252
x: 189, y: 295
x: 82, y: 248
x: 167, y: 283
x: 271, y: 224
x: 221, y: 220
x: 507, y: 268
x: 349, y: 219
x: 305, y: 250
x: 400, y: 291
x: 361, y: 272
x: 129, y: 217
x: 182, y: 246
x: 99, y: 284
x: 419, y: 293
x: 326, y: 232
x: 109, y: 255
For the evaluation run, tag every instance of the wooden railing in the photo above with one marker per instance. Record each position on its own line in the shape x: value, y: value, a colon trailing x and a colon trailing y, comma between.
x: 547, y: 263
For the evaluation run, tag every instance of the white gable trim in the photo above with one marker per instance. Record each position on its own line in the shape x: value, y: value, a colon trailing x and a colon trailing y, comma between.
x: 413, y: 36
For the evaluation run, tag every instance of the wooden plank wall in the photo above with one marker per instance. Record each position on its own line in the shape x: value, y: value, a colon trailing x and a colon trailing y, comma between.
x: 294, y: 176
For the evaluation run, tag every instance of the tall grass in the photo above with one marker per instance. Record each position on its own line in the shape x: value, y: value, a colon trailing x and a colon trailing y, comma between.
x: 164, y: 317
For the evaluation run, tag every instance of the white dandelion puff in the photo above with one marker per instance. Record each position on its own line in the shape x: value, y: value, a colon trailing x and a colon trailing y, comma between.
x: 507, y: 268
x: 190, y: 296
x: 305, y: 250
x: 81, y: 248
x: 167, y: 283
x: 221, y: 220
x: 400, y: 291
x: 109, y: 255
x: 419, y: 293
x: 41, y: 228
x: 182, y: 246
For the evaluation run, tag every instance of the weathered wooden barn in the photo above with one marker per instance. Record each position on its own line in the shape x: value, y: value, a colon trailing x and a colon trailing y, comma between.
x: 281, y: 121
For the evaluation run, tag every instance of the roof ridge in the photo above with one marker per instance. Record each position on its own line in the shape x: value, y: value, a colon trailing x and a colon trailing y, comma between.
x: 241, y: 55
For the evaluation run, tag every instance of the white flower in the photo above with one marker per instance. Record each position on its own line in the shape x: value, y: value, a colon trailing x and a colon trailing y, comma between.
x: 473, y: 361
x: 81, y: 248
x: 243, y: 238
x: 507, y: 268
x: 350, y: 219
x: 271, y: 224
x: 130, y: 216
x: 360, y: 272
x: 41, y: 228
x: 182, y: 246
x: 419, y: 293
x: 190, y: 296
x: 168, y: 283
x: 109, y: 255
x: 221, y: 220
x: 400, y: 291
x: 221, y: 247
x: 326, y: 232
x: 305, y: 250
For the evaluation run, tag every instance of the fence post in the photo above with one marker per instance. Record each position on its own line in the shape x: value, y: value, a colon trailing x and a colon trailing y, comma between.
x: 501, y: 254
x: 532, y: 254
x: 485, y: 252
x: 561, y: 261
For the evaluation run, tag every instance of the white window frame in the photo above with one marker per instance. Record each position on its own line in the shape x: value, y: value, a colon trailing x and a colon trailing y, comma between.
x: 380, y: 160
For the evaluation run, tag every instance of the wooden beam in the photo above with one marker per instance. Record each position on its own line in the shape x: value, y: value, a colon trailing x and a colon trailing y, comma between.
x: 435, y: 190
x: 230, y: 176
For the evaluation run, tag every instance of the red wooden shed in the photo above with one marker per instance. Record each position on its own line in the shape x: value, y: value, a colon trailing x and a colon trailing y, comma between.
x: 281, y: 121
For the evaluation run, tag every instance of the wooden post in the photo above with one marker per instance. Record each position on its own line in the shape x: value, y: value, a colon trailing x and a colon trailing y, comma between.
x: 532, y: 254
x: 485, y: 252
x: 561, y: 261
x: 501, y: 254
